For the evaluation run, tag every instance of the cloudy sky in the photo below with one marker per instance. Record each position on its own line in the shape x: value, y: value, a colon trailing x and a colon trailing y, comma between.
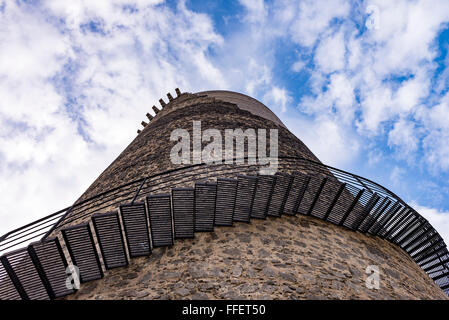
x: 363, y: 83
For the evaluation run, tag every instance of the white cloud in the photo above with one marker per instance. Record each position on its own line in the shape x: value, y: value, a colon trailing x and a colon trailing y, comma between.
x: 436, y: 141
x: 375, y: 80
x: 277, y: 98
x: 298, y: 66
x: 256, y: 11
x: 404, y: 137
x: 330, y: 55
x: 331, y: 143
x: 314, y: 17
x: 337, y: 101
x: 396, y: 175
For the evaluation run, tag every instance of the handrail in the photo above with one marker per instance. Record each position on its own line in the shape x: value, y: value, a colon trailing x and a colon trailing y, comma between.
x: 329, y: 170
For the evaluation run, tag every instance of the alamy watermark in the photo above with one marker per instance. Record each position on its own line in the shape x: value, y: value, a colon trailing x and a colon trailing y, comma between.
x: 373, y: 280
x: 72, y: 282
x: 189, y: 150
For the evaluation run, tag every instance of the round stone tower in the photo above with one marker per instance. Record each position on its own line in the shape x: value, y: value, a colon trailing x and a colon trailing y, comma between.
x: 275, y: 224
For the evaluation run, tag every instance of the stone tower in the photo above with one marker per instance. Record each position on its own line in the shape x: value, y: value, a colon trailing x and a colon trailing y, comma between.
x: 149, y: 228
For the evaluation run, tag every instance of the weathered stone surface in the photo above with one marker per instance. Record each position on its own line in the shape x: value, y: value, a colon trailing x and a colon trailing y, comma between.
x: 182, y: 292
x: 237, y: 271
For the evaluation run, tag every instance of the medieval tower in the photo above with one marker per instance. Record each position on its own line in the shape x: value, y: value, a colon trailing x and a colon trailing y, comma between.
x: 280, y: 225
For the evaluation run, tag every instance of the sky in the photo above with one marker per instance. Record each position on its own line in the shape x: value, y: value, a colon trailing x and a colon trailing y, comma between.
x: 363, y: 83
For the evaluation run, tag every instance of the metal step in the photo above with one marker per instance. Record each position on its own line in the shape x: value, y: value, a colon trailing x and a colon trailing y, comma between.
x: 225, y: 202
x: 279, y: 196
x: 339, y: 212
x: 10, y: 285
x: 109, y: 234
x: 246, y: 188
x: 326, y: 199
x: 135, y: 224
x: 159, y: 210
x: 28, y: 281
x: 311, y: 194
x: 205, y: 194
x: 81, y: 247
x: 51, y: 259
x: 297, y: 189
x: 183, y: 205
x: 262, y: 197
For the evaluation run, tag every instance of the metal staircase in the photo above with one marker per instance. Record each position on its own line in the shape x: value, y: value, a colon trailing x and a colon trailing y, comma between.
x: 109, y: 240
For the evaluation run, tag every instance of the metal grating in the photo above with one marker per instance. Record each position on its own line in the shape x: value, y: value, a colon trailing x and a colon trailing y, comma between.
x: 262, y: 197
x: 382, y: 216
x: 81, y: 247
x: 359, y: 208
x: 225, y: 202
x: 438, y: 265
x: 296, y: 192
x: 391, y: 224
x: 383, y: 221
x: 110, y: 239
x: 424, y: 255
x: 371, y: 215
x: 54, y: 264
x: 409, y: 230
x: 367, y: 211
x: 422, y: 235
x: 281, y: 189
x: 343, y: 204
x: 434, y: 241
x: 8, y: 290
x: 205, y: 194
x: 159, y: 210
x: 427, y: 259
x: 24, y: 269
x: 400, y: 225
x: 326, y: 199
x: 312, y: 191
x: 134, y: 218
x: 183, y: 204
x: 246, y: 188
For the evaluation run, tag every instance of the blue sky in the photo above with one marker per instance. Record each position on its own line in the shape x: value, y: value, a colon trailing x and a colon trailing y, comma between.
x: 363, y: 83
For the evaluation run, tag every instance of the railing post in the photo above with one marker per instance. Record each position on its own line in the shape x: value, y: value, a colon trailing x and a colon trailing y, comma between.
x: 138, y: 191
